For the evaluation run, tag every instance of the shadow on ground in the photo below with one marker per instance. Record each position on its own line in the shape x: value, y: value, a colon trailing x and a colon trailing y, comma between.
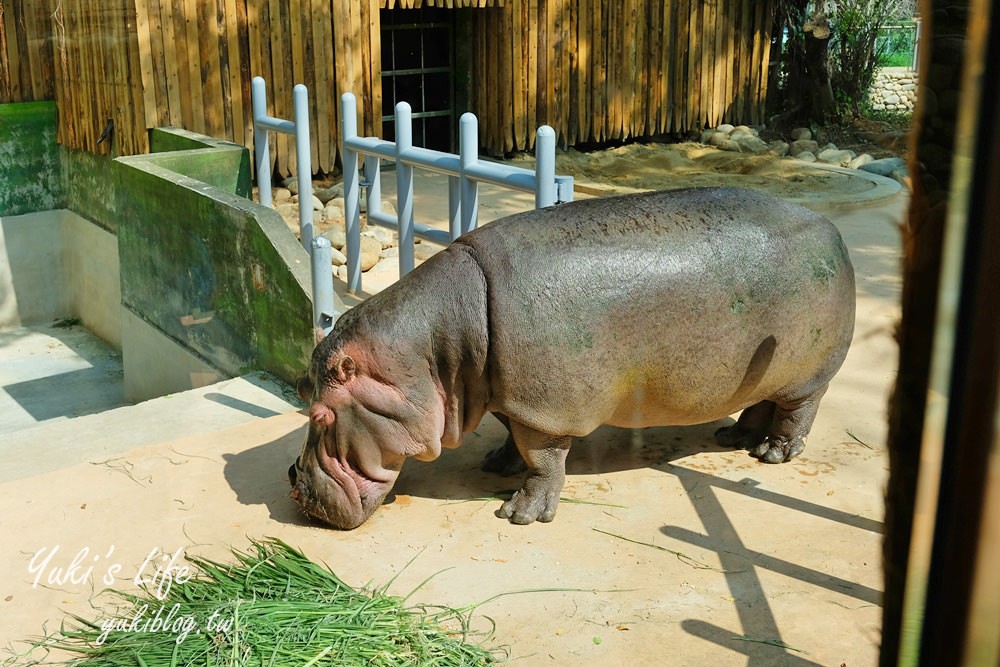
x: 260, y: 475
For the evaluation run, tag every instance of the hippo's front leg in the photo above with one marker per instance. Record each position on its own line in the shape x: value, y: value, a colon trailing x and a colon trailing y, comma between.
x: 538, y: 497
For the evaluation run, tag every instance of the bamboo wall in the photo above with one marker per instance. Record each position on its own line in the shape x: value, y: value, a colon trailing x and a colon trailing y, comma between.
x: 600, y: 71
x: 26, y: 64
x: 595, y: 70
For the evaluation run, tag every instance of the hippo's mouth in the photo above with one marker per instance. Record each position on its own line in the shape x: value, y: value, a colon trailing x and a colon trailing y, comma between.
x: 335, y: 491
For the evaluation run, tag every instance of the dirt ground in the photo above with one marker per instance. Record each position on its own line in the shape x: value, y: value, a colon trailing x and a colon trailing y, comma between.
x: 678, y: 552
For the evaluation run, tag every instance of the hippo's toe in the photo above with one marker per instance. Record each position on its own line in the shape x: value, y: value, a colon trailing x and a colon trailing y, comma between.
x: 778, y: 450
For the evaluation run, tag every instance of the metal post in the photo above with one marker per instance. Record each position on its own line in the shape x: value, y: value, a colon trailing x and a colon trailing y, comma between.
x: 468, y: 151
x: 404, y: 188
x: 373, y: 185
x: 454, y: 207
x: 352, y: 212
x: 324, y: 313
x: 545, y: 167
x: 261, y: 146
x: 303, y: 163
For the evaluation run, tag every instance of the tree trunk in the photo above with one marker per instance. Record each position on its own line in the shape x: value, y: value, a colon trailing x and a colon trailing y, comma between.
x: 819, y: 93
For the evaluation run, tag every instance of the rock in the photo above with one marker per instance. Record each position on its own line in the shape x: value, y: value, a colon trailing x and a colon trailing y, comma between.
x: 339, y: 258
x: 388, y: 207
x: 725, y: 127
x: 864, y: 158
x: 342, y: 272
x: 738, y: 133
x: 745, y: 128
x: 334, y: 209
x: 332, y: 192
x: 370, y: 249
x: 718, y: 137
x: 803, y: 146
x: 801, y: 134
x: 838, y: 157
x: 883, y: 167
x: 729, y: 145
x: 805, y: 156
x: 381, y: 234
x: 779, y: 148
x: 389, y: 253
x: 279, y: 195
x: 892, y: 98
x: 337, y: 237
x: 316, y: 203
x: 291, y: 184
x: 828, y: 147
x: 705, y: 136
x: 751, y: 144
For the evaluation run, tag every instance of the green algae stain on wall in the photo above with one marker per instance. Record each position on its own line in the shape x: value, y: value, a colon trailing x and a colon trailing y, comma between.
x: 30, y: 166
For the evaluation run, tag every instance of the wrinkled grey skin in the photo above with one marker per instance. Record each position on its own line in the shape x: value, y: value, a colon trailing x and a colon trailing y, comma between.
x: 666, y: 308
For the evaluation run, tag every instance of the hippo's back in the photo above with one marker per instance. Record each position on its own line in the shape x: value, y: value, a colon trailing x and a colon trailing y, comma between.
x: 670, y: 307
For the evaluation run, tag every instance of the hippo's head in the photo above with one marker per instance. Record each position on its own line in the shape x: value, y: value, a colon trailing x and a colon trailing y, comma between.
x: 366, y: 417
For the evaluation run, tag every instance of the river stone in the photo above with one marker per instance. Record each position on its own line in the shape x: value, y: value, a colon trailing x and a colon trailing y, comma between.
x: 864, y: 158
x: 883, y: 167
x: 805, y: 156
x: 779, y: 148
x: 752, y: 144
x: 803, y: 146
x: 801, y: 134
x: 835, y: 156
x: 370, y: 249
x: 326, y: 194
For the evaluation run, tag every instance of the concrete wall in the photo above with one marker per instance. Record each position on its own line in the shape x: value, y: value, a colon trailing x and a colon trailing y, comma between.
x: 56, y: 264
x: 207, y: 270
x: 31, y: 177
x: 162, y: 255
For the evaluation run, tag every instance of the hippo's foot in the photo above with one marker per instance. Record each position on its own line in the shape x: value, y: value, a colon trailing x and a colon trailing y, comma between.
x: 504, y: 460
x: 736, y: 437
x: 778, y: 450
x: 537, y: 500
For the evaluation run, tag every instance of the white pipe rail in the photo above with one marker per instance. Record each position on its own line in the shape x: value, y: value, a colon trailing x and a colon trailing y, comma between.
x: 320, y: 252
x: 465, y: 172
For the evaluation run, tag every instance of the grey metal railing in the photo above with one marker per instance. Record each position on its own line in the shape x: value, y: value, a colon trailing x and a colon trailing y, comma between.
x: 465, y: 171
x: 320, y: 252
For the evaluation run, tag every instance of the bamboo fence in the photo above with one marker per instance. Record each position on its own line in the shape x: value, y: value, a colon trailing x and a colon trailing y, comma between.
x: 595, y: 70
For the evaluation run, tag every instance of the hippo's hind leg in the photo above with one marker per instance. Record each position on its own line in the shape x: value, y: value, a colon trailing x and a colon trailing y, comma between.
x: 791, y: 424
x: 504, y: 460
x: 538, y: 497
x: 750, y: 430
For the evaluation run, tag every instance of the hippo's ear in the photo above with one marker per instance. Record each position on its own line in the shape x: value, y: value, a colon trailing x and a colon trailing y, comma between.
x: 345, y: 369
x: 304, y: 388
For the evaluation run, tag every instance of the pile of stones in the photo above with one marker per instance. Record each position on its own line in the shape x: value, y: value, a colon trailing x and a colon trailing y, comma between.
x: 377, y: 243
x: 894, y: 89
x: 801, y: 145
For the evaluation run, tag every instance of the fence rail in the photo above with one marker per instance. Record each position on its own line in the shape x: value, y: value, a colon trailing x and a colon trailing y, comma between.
x: 465, y: 172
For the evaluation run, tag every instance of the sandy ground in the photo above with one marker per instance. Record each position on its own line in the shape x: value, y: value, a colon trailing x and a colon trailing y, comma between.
x: 727, y: 553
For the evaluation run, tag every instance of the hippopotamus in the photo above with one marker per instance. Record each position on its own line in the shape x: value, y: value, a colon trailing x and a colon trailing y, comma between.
x: 664, y: 308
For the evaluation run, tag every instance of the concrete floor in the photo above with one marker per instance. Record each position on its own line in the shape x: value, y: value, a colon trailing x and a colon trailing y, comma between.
x: 678, y: 552
x: 53, y: 372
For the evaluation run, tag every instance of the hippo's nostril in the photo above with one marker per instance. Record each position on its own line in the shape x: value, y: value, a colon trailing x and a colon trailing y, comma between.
x: 292, y: 474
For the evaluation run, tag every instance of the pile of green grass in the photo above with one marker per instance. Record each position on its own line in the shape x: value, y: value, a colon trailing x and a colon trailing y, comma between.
x: 273, y: 606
